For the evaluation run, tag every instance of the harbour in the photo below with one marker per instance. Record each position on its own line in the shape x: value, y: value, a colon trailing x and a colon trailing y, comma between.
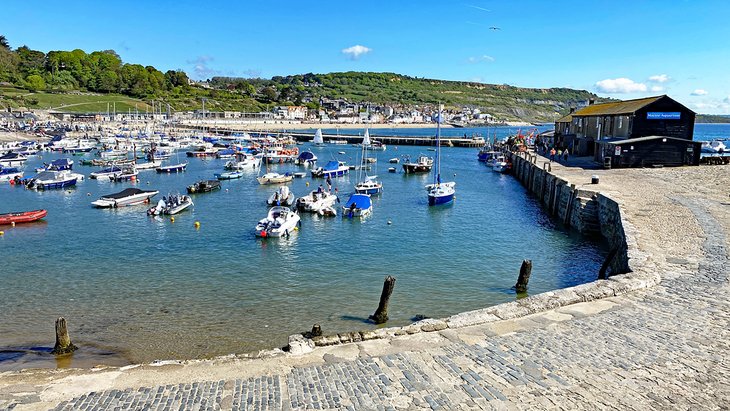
x: 137, y: 287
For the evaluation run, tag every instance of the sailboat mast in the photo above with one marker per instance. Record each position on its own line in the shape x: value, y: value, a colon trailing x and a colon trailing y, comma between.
x: 437, y: 177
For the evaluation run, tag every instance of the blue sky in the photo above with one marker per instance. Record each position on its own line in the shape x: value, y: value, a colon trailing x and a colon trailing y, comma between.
x: 622, y: 49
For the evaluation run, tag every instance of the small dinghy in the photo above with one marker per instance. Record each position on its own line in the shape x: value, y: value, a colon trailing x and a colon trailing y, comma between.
x: 281, y: 197
x: 204, y: 186
x: 22, y: 217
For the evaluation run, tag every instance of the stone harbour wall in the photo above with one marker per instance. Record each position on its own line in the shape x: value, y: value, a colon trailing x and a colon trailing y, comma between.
x: 580, y: 208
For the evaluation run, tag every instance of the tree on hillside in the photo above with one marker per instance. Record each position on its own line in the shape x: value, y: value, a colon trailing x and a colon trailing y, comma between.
x: 269, y: 93
x: 31, y: 61
x: 4, y: 43
x: 34, y: 82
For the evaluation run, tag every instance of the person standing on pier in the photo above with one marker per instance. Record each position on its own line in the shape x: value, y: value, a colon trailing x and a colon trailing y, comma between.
x: 565, y: 156
x: 552, y: 154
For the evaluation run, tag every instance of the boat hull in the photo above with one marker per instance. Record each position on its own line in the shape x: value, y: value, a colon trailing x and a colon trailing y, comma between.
x: 416, y: 168
x: 22, y: 217
x: 434, y: 200
x: 56, y: 184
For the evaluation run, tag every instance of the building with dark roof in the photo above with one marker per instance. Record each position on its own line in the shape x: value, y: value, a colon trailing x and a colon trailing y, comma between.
x: 591, y: 128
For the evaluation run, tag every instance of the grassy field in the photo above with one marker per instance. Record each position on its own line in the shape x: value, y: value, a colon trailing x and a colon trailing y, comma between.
x: 72, y: 103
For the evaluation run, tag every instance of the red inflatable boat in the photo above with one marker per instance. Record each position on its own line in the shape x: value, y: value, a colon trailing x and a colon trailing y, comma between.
x: 22, y: 217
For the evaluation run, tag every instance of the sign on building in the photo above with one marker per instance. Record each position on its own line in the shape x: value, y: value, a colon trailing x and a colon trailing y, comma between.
x: 663, y: 115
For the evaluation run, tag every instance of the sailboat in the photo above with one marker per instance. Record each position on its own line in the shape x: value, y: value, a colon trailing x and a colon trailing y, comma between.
x: 369, y: 185
x: 318, y: 140
x: 439, y: 192
x: 173, y: 168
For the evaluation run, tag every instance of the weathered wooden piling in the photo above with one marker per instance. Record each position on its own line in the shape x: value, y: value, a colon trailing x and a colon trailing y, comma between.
x: 63, y: 340
x: 381, y: 314
x: 524, y: 277
x: 316, y: 331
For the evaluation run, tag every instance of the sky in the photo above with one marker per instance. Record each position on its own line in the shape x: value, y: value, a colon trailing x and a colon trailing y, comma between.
x: 620, y: 49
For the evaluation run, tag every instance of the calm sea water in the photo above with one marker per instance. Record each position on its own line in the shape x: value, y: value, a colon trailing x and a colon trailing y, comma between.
x: 135, y: 288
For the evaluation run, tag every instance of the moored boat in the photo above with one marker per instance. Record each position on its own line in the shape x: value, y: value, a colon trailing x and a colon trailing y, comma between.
x: 274, y: 178
x: 22, y: 217
x: 173, y: 168
x: 51, y: 179
x: 126, y: 197
x: 281, y: 197
x: 333, y: 168
x: 280, y: 221
x: 306, y: 158
x: 12, y: 159
x: 10, y: 173
x: 369, y: 186
x: 440, y: 192
x: 108, y: 172
x: 316, y: 200
x: 423, y: 164
x: 171, y: 205
x: 501, y: 165
x: 204, y: 186
x: 229, y: 175
x: 358, y: 205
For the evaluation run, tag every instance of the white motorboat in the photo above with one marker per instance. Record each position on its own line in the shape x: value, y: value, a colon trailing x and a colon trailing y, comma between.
x: 126, y: 197
x: 108, y: 172
x: 281, y: 221
x: 713, y: 147
x: 281, y: 197
x: 316, y: 200
x: 150, y: 165
x: 171, y: 205
x: 12, y: 159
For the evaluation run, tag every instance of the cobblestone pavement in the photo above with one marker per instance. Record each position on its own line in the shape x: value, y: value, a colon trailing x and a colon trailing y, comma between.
x: 664, y: 348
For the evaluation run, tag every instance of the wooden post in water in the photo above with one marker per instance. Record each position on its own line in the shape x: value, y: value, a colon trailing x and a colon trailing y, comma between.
x: 63, y: 341
x: 524, y: 278
x: 381, y: 314
x: 316, y: 331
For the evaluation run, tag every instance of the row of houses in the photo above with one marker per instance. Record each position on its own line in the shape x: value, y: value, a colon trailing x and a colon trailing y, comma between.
x: 651, y: 131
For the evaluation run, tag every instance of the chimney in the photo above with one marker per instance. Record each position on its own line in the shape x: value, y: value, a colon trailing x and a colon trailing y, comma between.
x: 591, y: 101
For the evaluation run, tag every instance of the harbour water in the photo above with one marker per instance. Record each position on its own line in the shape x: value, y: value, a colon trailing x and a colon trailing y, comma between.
x: 135, y: 288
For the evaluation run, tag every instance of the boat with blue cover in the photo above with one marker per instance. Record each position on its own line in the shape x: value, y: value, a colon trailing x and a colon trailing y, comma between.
x: 58, y: 164
x: 306, y: 158
x: 229, y: 175
x: 10, y: 173
x: 358, y: 205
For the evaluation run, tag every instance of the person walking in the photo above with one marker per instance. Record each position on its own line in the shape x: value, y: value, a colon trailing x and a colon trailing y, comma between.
x: 552, y: 154
x: 565, y: 156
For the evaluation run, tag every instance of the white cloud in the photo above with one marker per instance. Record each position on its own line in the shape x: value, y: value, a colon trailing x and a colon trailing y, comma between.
x: 479, y: 59
x: 659, y: 78
x: 356, y: 51
x: 619, y: 86
x: 201, y: 70
x: 657, y: 88
x: 478, y: 8
x: 698, y: 92
x: 727, y: 99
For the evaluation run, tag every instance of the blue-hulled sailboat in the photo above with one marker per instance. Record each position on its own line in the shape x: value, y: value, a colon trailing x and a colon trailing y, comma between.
x: 439, y: 192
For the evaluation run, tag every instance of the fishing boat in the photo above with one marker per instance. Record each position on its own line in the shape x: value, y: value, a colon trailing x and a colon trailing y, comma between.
x: 280, y: 221
x: 124, y: 198
x: 281, y: 197
x: 274, y: 178
x: 318, y: 141
x: 423, y: 164
x: 204, y: 186
x: 12, y: 159
x: 358, y: 205
x: 229, y: 175
x: 306, y: 158
x: 51, y: 179
x: 316, y: 201
x: 333, y: 168
x: 171, y: 205
x: 22, y: 217
x: 10, y: 173
x: 440, y: 192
